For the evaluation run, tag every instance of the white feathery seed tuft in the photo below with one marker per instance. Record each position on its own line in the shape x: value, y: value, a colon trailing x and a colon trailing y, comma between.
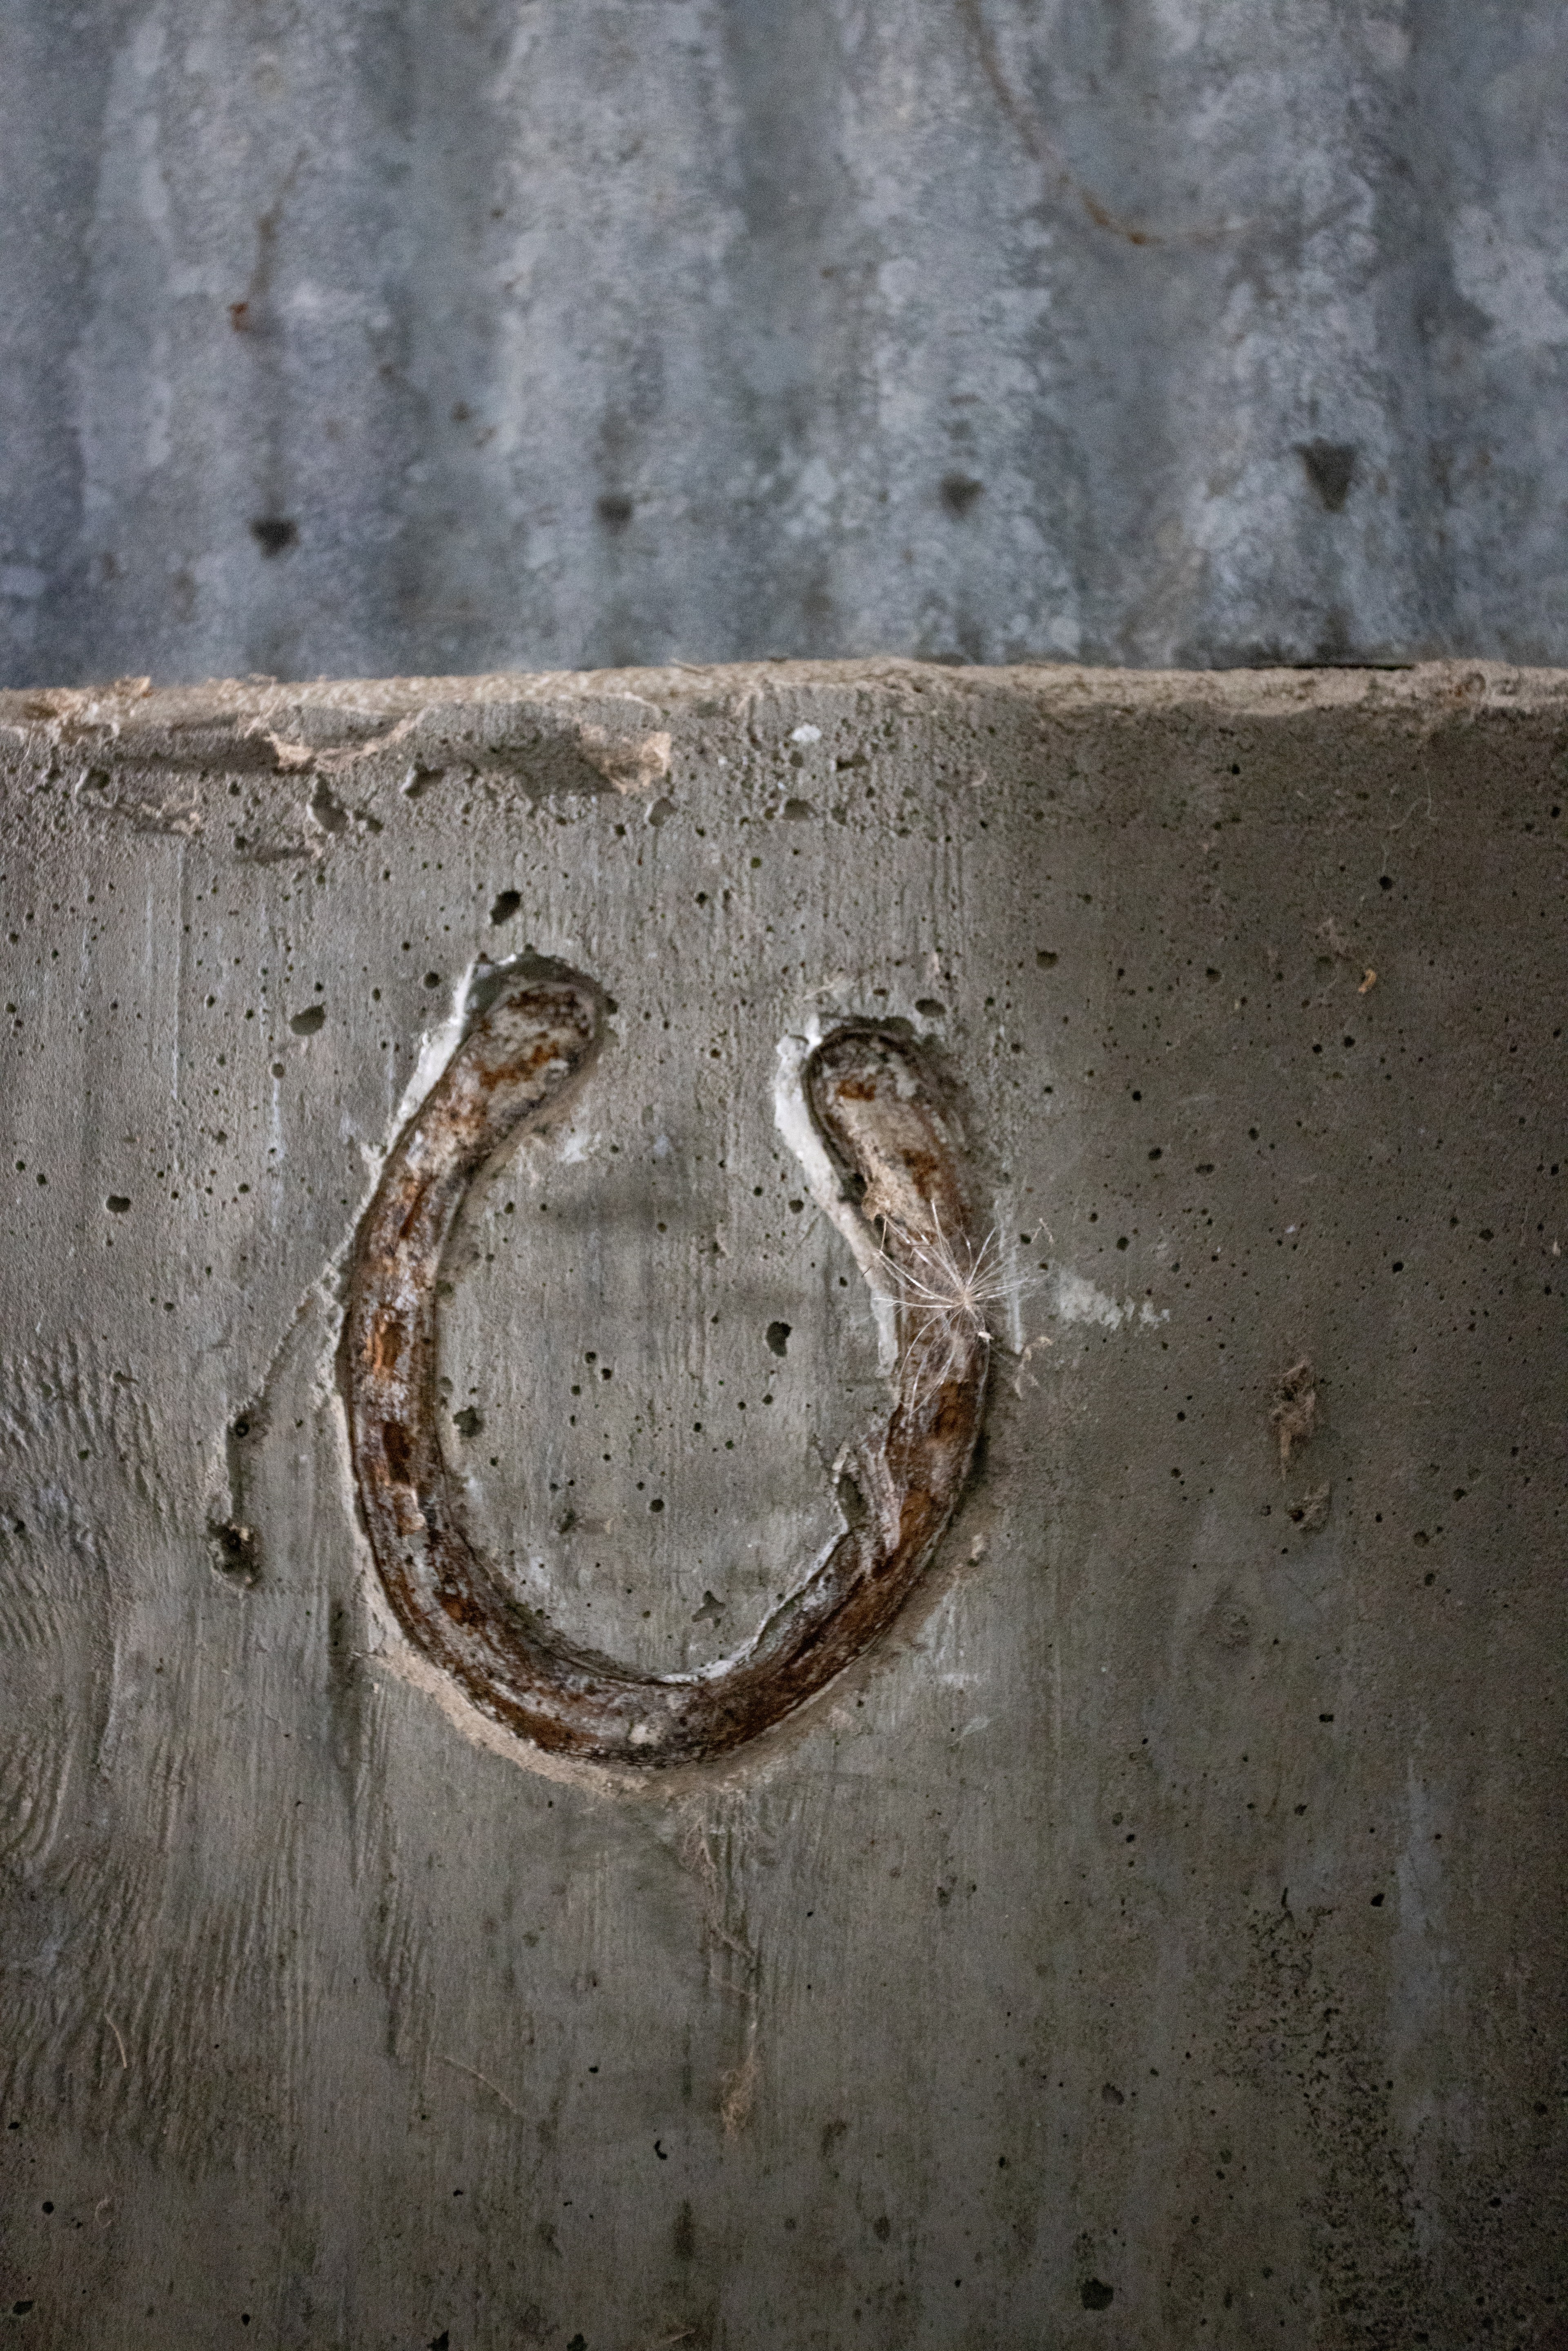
x: 945, y: 1287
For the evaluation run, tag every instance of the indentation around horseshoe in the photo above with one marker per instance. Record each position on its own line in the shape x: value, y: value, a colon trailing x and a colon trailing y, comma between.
x: 877, y: 1104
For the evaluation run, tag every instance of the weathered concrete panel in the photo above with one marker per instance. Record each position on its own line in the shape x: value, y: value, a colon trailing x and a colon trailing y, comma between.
x: 1154, y: 1938
x: 382, y: 335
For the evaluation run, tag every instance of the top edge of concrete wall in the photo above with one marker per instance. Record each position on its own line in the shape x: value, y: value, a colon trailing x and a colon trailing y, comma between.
x: 132, y: 707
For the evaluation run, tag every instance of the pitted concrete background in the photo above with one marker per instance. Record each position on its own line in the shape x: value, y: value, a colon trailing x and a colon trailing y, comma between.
x: 1155, y: 1942
x: 377, y: 336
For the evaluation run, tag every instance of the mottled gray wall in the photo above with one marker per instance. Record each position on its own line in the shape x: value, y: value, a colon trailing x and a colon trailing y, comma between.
x: 527, y: 333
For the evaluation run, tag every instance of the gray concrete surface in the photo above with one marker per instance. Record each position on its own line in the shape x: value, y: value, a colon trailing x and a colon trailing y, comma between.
x: 1156, y: 1941
x: 369, y: 338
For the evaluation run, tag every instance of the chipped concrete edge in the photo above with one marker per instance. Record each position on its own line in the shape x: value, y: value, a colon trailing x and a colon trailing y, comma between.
x: 637, y: 698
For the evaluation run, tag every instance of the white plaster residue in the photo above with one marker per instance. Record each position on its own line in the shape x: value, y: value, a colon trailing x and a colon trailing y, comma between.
x: 806, y: 734
x: 1078, y: 1299
x: 577, y: 1146
x: 436, y: 1047
x: 943, y: 1643
x: 1506, y: 281
x: 792, y: 1117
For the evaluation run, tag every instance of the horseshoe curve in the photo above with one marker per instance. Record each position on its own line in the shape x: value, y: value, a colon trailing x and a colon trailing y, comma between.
x: 875, y: 1102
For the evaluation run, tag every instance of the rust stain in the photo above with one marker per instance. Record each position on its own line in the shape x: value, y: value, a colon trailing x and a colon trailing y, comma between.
x: 386, y: 1343
x: 878, y: 1105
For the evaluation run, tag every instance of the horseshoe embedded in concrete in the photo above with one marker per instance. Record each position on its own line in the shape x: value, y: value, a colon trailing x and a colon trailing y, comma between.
x: 874, y: 1101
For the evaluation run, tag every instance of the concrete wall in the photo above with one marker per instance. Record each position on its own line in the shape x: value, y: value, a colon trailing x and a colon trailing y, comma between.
x: 1155, y: 1941
x: 381, y: 335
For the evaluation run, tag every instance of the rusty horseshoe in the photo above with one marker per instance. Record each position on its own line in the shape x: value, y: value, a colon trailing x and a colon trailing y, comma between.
x: 876, y: 1105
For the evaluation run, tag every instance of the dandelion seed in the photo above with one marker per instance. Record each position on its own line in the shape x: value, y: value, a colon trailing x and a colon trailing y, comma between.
x: 945, y: 1286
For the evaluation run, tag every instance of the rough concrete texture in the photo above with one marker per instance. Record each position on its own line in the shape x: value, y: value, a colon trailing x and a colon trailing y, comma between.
x: 384, y: 335
x: 1154, y: 1940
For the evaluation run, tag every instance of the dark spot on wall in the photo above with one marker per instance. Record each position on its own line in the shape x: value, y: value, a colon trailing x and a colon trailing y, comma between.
x: 779, y: 1337
x: 234, y: 1552
x: 274, y: 534
x: 117, y: 1203
x: 1095, y: 2296
x: 328, y: 810
x: 1045, y: 960
x: 797, y: 811
x: 505, y: 906
x: 882, y: 2229
x: 1330, y: 469
x: 469, y: 1421
x: 432, y: 979
x: 614, y: 510
x: 959, y: 492
x: 930, y: 1007
x: 1111, y: 2096
x: 851, y: 1502
x: 239, y: 316
x: 306, y: 1023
